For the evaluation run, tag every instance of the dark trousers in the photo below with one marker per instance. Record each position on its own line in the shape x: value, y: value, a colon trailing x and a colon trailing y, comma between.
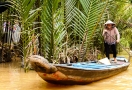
x: 107, y: 50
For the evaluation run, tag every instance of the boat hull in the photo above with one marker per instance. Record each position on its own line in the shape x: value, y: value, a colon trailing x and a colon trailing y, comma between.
x: 70, y: 76
x: 75, y: 73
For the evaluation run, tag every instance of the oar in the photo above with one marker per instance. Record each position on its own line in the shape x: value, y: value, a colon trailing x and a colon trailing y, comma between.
x: 121, y: 47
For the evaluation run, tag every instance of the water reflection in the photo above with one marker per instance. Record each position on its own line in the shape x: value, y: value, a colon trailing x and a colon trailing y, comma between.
x: 12, y: 77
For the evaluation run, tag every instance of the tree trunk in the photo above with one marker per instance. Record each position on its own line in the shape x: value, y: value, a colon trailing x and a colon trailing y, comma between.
x: 38, y: 31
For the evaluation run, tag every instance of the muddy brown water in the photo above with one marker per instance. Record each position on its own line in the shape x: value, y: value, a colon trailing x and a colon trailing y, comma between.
x: 12, y: 77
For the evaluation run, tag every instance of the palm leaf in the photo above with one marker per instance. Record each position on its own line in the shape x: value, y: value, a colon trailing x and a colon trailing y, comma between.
x: 86, y: 23
x: 27, y: 15
x: 52, y: 29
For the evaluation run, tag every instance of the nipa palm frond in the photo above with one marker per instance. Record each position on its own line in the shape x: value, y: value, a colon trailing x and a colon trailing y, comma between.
x: 85, y: 24
x: 52, y: 29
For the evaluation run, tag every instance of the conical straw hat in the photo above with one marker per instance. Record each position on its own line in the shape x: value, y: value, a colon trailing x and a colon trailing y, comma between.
x: 109, y: 22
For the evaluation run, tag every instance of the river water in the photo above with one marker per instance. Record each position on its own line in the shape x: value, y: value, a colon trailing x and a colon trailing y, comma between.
x: 13, y: 77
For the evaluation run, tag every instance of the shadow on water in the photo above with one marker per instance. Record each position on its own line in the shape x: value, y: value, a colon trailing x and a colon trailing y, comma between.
x: 13, y: 77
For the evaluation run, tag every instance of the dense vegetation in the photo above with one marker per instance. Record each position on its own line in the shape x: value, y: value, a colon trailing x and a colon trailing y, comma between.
x: 68, y: 27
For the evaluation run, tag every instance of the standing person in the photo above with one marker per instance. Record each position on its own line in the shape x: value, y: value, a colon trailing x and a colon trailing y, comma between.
x: 7, y: 31
x: 111, y: 37
x: 16, y: 32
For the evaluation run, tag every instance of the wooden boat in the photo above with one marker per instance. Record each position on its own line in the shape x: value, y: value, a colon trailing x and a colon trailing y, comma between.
x: 75, y: 73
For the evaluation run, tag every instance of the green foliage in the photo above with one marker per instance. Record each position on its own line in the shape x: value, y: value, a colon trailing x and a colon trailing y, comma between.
x: 86, y: 24
x: 127, y: 36
x: 66, y: 23
x: 124, y: 42
x: 121, y: 13
x: 52, y: 33
x: 25, y: 13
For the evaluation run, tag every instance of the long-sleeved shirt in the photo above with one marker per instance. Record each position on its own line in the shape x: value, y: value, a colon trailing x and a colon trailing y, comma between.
x: 110, y: 35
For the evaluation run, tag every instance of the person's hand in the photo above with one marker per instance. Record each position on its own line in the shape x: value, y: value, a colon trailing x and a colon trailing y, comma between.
x: 105, y: 31
x: 117, y: 41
